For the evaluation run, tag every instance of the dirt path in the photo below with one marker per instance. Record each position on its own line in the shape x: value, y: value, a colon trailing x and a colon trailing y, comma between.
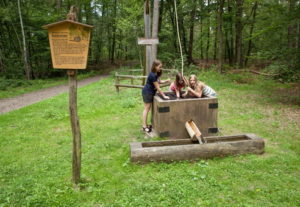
x: 10, y: 104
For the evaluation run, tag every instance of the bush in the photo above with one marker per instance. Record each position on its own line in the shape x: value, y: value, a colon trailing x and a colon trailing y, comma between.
x: 12, y: 83
x: 287, y: 73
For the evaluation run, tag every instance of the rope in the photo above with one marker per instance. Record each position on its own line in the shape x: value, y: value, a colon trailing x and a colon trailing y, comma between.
x: 178, y: 35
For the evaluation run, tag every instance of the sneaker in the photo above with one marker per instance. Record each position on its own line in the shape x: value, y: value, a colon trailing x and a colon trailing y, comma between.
x: 146, y: 129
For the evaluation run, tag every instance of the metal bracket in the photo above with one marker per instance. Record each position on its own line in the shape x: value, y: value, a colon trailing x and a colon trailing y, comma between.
x: 213, y: 105
x: 163, y: 109
x: 164, y: 134
x: 213, y: 130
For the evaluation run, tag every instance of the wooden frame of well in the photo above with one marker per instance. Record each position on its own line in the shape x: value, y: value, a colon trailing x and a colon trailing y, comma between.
x: 169, y: 116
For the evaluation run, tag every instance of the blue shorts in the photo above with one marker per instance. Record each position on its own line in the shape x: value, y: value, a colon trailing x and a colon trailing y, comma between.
x: 147, y: 97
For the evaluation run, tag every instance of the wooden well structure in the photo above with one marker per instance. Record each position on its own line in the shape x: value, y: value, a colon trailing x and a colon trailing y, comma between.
x: 169, y: 116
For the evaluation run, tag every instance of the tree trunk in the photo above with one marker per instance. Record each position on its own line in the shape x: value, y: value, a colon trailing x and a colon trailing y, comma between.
x: 239, y: 33
x: 251, y: 32
x: 216, y: 35
x: 183, y: 33
x: 291, y: 31
x: 201, y: 38
x: 191, y: 40
x: 112, y: 60
x: 298, y: 36
x: 155, y: 27
x: 79, y: 16
x: 170, y: 6
x: 2, y: 68
x: 161, y: 12
x: 58, y: 6
x: 230, y: 33
x: 25, y: 56
x: 208, y: 32
x: 227, y: 46
x: 220, y: 35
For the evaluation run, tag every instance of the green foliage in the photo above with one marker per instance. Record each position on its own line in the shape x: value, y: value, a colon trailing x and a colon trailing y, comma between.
x: 118, y: 24
x: 12, y: 83
x: 35, y: 152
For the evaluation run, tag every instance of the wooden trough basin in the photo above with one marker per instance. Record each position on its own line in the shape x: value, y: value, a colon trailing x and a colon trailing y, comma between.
x: 186, y: 149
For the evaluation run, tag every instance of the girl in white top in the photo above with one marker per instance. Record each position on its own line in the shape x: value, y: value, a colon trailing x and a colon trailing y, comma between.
x: 198, y: 89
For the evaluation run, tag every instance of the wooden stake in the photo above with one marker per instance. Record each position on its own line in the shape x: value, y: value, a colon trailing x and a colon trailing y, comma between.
x: 117, y: 82
x: 76, y: 163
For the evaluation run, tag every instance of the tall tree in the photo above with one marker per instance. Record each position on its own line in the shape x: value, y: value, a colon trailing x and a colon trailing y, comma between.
x: 291, y: 26
x: 253, y: 12
x: 220, y: 34
x: 191, y: 39
x: 201, y: 30
x: 113, y: 46
x: 239, y: 32
x: 230, y: 32
x: 208, y: 30
x: 25, y: 55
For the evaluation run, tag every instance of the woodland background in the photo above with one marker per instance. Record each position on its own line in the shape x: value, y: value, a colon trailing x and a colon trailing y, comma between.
x: 233, y: 34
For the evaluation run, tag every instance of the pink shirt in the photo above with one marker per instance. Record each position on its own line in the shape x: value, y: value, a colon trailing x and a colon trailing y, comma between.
x: 173, y: 87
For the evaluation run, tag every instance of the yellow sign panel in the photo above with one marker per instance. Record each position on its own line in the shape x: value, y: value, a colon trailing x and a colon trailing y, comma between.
x: 69, y: 43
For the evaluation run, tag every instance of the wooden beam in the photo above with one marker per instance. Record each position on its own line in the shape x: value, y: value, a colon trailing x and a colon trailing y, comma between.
x: 131, y: 76
x: 147, y: 41
x: 136, y: 86
x: 129, y: 86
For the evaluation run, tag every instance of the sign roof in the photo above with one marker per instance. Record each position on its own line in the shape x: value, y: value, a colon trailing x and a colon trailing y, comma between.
x: 65, y: 21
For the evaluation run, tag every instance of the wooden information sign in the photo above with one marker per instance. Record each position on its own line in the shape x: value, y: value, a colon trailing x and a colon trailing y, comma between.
x: 69, y: 43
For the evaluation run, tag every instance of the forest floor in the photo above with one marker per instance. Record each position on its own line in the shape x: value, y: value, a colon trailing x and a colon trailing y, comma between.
x: 10, y: 104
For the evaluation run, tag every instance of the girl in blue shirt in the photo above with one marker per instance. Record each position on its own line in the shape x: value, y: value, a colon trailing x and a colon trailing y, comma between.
x: 150, y: 89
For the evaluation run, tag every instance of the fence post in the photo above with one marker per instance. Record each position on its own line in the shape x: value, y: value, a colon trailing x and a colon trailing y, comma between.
x: 117, y: 82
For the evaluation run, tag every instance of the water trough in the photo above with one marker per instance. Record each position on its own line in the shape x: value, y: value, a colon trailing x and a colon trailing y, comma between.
x: 186, y: 149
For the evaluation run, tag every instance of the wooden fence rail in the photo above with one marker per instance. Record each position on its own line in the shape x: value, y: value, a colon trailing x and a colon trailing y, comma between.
x: 119, y: 77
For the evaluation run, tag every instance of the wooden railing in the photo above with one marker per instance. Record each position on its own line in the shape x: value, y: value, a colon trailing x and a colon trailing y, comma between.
x: 119, y: 77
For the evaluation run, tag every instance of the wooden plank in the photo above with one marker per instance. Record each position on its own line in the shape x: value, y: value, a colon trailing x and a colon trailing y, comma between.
x: 128, y: 86
x: 165, y: 69
x: 132, y: 86
x: 147, y: 41
x: 194, y: 132
x: 131, y: 76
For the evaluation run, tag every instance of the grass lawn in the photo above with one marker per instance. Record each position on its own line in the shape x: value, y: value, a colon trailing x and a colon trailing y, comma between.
x: 36, y: 146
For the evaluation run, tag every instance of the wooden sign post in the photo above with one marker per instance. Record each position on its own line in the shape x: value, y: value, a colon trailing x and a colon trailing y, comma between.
x: 149, y: 42
x: 69, y: 43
